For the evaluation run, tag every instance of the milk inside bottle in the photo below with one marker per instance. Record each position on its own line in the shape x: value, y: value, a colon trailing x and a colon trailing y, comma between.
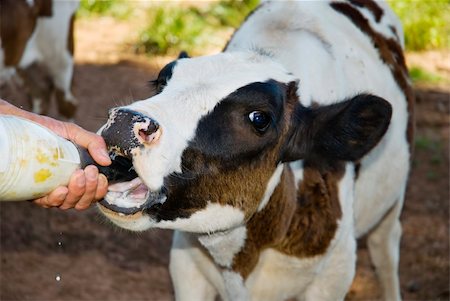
x: 33, y: 159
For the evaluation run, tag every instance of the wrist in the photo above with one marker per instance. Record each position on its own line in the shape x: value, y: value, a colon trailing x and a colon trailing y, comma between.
x: 9, y: 109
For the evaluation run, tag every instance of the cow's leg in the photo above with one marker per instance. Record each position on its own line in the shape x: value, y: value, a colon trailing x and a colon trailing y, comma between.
x: 62, y: 77
x: 39, y: 87
x: 188, y: 280
x: 384, y: 244
x: 54, y: 39
x: 334, y: 279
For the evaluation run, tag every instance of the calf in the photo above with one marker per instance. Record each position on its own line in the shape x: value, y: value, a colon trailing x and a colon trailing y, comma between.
x: 36, y: 39
x: 270, y: 159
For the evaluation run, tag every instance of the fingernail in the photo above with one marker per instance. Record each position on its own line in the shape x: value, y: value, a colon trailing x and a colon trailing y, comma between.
x: 104, y: 154
x: 91, y: 173
x: 102, y: 180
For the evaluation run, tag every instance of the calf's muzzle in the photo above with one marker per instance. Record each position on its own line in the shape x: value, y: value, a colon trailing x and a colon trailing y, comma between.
x: 127, y: 130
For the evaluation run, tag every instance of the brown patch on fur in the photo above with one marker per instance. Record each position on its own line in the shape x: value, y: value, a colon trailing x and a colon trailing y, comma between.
x: 70, y: 39
x: 300, y: 224
x: 314, y: 223
x: 391, y: 54
x: 44, y: 8
x: 17, y: 23
x: 269, y: 226
x: 370, y: 5
x: 226, y: 185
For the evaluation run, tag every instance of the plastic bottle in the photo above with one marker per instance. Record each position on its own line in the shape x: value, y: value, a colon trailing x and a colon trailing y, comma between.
x: 34, y: 160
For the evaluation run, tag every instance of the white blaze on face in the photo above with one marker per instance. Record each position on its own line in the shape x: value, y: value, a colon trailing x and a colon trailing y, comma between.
x: 197, y: 85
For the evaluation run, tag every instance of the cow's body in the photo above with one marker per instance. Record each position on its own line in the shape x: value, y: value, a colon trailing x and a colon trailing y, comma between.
x: 294, y: 236
x: 36, y: 40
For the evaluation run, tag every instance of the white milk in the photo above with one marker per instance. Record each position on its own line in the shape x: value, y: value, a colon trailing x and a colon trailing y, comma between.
x: 33, y: 159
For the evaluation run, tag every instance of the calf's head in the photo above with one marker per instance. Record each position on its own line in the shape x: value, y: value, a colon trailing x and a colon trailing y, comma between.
x: 208, y: 148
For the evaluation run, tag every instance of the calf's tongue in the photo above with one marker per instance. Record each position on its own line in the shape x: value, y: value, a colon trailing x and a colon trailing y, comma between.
x: 124, y: 186
x: 139, y: 192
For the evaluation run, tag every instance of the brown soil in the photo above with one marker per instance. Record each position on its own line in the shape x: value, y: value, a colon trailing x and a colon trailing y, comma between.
x: 96, y: 261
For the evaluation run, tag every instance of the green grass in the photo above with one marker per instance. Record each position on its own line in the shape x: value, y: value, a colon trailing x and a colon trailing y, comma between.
x: 172, y: 29
x: 419, y: 75
x: 120, y: 9
x: 434, y: 150
x: 426, y: 23
x: 425, y: 144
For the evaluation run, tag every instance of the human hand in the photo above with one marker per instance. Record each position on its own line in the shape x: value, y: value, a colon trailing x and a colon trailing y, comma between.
x: 85, y: 186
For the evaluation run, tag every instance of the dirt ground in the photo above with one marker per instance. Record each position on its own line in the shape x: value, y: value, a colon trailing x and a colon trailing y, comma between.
x: 49, y: 254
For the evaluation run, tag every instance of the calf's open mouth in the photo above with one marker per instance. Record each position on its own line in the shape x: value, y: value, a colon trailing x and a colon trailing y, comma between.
x: 131, y: 197
x: 127, y: 193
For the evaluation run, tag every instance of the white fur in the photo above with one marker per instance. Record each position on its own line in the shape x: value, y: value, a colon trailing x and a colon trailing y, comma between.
x: 6, y: 73
x: 214, y: 217
x: 37, y: 105
x: 273, y: 183
x: 223, y: 246
x: 235, y: 288
x: 189, y: 262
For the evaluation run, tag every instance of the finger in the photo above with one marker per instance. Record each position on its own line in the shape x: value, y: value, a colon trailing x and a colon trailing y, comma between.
x: 54, y: 199
x: 42, y: 202
x: 91, y: 175
x: 77, y: 187
x: 93, y: 142
x: 102, y: 187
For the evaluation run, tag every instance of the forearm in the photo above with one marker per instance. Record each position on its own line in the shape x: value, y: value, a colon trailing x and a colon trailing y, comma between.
x: 8, y: 109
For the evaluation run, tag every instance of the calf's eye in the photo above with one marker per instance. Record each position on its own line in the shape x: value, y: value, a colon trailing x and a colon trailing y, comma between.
x: 259, y: 120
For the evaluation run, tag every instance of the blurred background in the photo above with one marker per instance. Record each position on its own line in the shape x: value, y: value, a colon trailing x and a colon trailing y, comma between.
x: 49, y: 254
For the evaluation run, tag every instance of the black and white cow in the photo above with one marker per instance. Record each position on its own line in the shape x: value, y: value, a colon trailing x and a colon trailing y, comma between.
x: 271, y: 158
x: 36, y: 47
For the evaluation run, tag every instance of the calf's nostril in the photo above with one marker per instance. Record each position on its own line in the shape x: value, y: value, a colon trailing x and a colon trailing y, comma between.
x: 150, y: 132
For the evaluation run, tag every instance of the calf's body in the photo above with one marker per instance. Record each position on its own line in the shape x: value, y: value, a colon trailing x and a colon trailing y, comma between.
x: 271, y: 158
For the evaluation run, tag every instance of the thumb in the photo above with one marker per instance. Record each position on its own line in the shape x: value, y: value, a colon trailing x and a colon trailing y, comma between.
x: 93, y: 142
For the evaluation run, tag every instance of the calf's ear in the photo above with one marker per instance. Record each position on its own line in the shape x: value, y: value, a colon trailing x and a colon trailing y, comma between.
x: 343, y: 131
x: 183, y: 55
